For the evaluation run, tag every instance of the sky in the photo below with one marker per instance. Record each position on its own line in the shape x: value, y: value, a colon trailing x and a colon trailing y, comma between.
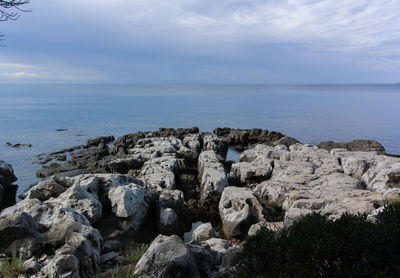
x: 203, y: 41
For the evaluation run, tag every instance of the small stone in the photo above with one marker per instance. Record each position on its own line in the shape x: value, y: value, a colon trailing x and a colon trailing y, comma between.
x: 43, y: 258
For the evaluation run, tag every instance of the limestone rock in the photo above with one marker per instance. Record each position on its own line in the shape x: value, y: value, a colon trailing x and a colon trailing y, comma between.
x: 78, y: 198
x: 239, y: 208
x: 203, y: 232
x: 378, y: 172
x: 255, y: 171
x: 66, y: 266
x: 158, y: 173
x: 217, y: 145
x: 131, y: 203
x: 332, y: 195
x: 19, y: 233
x: 167, y: 257
x: 44, y: 190
x: 212, y: 174
x: 193, y: 142
x: 354, y: 146
x: 32, y: 265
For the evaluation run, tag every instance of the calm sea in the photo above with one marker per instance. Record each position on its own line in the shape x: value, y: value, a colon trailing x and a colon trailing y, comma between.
x: 310, y: 113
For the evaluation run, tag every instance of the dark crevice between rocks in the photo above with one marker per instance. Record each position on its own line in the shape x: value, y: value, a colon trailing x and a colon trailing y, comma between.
x: 9, y: 196
x: 394, y: 180
x: 203, y: 211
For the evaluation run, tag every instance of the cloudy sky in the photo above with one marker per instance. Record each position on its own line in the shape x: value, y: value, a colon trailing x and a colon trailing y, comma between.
x: 203, y: 41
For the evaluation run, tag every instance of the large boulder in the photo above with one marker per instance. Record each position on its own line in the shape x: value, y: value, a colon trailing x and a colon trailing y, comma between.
x: 167, y: 257
x: 212, y: 175
x: 239, y: 208
x: 131, y: 203
x: 255, y: 171
x: 78, y: 198
x: 72, y: 233
x: 19, y: 234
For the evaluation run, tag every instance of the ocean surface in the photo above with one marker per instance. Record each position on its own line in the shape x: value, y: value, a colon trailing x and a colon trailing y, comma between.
x: 310, y: 113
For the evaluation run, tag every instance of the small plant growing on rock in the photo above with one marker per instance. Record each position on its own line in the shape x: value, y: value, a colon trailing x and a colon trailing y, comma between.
x: 126, y: 269
x: 124, y: 272
x: 134, y: 255
x: 11, y: 268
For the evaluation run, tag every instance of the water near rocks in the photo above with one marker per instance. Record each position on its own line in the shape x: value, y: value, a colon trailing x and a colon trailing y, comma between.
x: 35, y: 114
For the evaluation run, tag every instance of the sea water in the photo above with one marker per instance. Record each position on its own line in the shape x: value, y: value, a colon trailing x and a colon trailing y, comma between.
x: 310, y: 113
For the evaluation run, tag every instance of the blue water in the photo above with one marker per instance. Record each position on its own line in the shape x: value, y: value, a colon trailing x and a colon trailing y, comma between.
x: 310, y: 113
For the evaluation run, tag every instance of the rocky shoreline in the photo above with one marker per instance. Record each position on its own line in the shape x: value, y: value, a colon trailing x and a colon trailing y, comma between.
x: 97, y: 201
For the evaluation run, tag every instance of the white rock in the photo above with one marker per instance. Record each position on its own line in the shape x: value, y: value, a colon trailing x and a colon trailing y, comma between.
x: 212, y: 174
x: 203, y: 232
x: 239, y: 208
x: 78, y: 198
x: 66, y: 266
x: 131, y: 202
x: 254, y: 171
x: 167, y: 257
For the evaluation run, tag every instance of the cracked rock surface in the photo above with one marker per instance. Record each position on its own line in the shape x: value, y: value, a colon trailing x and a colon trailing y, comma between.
x: 149, y: 187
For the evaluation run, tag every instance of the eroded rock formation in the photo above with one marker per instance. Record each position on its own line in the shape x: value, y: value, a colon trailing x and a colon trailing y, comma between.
x: 151, y: 186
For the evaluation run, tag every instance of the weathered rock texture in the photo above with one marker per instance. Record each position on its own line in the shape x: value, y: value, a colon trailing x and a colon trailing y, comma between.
x: 151, y: 186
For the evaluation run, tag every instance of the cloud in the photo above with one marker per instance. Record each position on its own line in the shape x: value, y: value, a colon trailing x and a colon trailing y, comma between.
x: 15, y: 65
x: 344, y: 25
x: 19, y: 74
x: 17, y: 70
x: 156, y: 40
x: 341, y: 25
x: 48, y: 71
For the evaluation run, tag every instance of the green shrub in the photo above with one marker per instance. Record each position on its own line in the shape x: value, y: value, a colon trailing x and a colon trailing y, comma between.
x: 127, y: 269
x: 124, y: 272
x: 11, y: 268
x: 133, y: 256
x: 315, y: 246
